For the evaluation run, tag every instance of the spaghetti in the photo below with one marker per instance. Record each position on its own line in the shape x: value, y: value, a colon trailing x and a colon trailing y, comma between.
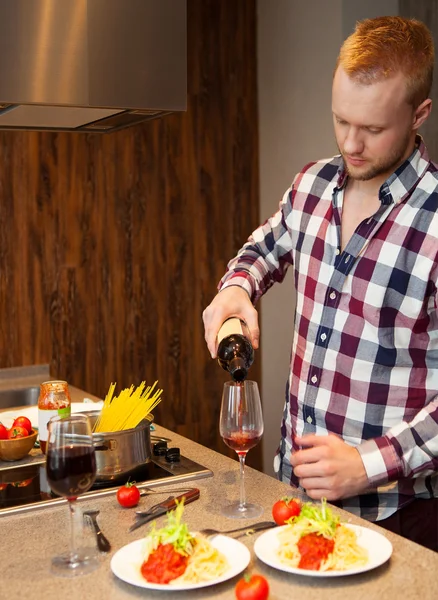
x: 316, y: 540
x: 174, y: 555
x: 205, y: 564
x: 128, y: 409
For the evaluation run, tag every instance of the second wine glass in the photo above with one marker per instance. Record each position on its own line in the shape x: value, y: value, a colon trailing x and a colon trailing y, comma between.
x: 241, y: 428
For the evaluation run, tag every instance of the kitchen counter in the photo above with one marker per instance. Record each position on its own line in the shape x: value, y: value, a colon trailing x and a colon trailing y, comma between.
x: 29, y: 540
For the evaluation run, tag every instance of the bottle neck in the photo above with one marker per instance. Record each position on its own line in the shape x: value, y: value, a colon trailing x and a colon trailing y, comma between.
x: 237, y: 369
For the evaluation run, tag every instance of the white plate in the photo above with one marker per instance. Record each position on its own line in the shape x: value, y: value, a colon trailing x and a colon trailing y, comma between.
x: 126, y: 563
x: 378, y: 546
x: 31, y: 412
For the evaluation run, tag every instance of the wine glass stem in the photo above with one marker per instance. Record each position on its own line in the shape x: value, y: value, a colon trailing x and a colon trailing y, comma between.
x: 72, y: 509
x: 242, y: 456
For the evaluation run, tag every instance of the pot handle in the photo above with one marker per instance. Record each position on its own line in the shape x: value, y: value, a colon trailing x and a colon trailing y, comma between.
x: 100, y: 443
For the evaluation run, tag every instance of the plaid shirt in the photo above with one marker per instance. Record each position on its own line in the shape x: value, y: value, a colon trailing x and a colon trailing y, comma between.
x: 364, y: 362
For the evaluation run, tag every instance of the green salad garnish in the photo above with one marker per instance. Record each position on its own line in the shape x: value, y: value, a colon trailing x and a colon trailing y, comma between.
x: 315, y: 519
x: 174, y: 532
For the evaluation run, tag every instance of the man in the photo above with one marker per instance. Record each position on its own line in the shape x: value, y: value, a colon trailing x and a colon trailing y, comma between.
x: 360, y: 424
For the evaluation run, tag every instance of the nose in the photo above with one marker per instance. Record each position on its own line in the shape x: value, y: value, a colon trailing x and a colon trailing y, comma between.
x: 353, y: 143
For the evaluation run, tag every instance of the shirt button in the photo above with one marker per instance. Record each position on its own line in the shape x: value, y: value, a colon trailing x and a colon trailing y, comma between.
x: 347, y: 258
x: 314, y: 379
x: 337, y: 252
x: 333, y: 295
x: 323, y: 337
x: 309, y: 419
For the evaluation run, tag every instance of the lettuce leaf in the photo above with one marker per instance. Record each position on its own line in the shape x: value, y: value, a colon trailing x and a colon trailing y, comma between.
x: 175, y: 532
x: 315, y: 519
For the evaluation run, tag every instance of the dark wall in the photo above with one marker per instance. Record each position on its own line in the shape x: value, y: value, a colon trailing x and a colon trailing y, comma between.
x: 111, y: 246
x: 427, y: 11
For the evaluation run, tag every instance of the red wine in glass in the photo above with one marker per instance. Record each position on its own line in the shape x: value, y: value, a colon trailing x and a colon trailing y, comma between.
x: 71, y: 471
x: 241, y: 428
x: 242, y: 441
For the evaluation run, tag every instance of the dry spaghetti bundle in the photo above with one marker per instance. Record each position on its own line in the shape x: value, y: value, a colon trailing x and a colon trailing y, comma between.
x: 126, y: 410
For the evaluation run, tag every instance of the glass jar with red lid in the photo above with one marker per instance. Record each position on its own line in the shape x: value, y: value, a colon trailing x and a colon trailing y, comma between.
x: 54, y: 400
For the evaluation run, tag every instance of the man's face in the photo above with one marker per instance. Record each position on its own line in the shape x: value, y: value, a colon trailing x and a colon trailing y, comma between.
x: 373, y: 125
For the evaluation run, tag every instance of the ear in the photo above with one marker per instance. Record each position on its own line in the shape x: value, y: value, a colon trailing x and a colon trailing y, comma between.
x: 421, y: 114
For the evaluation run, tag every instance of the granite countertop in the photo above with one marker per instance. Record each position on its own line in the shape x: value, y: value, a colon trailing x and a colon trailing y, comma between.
x: 29, y: 540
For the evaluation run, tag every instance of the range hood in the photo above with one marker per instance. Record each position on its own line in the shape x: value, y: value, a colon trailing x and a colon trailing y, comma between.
x: 91, y: 65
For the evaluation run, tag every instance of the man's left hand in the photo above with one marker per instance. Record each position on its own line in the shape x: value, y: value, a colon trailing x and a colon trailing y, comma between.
x: 329, y: 468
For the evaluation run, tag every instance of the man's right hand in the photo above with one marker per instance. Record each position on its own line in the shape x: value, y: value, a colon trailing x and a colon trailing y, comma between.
x: 232, y: 301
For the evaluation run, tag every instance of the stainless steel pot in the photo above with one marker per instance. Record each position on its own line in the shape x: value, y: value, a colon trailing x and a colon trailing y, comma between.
x: 120, y: 452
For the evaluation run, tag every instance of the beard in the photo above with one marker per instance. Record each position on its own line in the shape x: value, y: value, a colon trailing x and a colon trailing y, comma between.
x: 382, y: 166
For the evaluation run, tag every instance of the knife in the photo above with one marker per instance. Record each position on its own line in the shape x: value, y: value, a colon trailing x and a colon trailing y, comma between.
x: 164, y: 507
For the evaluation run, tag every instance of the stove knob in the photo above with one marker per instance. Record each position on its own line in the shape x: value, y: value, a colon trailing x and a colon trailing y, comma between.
x: 160, y: 448
x: 173, y: 455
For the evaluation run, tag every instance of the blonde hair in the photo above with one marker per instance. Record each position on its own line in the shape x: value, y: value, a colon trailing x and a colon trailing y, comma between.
x: 381, y: 47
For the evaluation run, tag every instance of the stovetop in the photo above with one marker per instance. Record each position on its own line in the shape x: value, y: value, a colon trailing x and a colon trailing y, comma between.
x: 25, y: 487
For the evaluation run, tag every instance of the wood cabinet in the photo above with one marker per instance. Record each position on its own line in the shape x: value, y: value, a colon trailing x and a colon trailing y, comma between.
x: 112, y: 245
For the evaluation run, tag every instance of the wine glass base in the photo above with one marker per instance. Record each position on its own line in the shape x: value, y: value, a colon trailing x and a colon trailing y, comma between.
x: 247, y: 511
x: 73, y: 565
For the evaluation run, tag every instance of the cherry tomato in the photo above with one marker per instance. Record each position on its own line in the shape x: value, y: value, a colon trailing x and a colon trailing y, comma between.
x: 254, y: 587
x: 23, y: 483
x: 17, y: 432
x: 284, y: 509
x: 23, y: 422
x: 3, y: 486
x: 128, y: 495
x: 3, y: 432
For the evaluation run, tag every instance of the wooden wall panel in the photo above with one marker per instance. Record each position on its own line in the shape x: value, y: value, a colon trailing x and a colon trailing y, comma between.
x: 112, y: 245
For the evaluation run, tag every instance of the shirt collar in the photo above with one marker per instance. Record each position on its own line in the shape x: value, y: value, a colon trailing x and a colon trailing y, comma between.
x: 398, y: 186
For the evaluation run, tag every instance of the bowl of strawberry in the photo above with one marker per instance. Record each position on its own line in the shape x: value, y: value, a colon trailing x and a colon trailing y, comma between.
x: 17, y: 441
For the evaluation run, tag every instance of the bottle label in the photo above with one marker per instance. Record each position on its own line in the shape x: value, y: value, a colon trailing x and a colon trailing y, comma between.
x: 44, y: 417
x: 230, y: 326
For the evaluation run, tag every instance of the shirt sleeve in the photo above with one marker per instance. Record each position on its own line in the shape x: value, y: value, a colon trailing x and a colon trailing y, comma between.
x: 266, y: 256
x: 406, y: 450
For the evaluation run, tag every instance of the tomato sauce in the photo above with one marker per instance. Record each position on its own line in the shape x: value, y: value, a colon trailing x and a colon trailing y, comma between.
x: 164, y: 564
x: 314, y: 549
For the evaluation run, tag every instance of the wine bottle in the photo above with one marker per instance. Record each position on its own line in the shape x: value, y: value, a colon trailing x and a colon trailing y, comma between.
x: 235, y: 353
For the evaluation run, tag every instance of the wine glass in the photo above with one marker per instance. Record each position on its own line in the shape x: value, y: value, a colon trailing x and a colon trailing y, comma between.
x: 241, y: 428
x: 71, y: 471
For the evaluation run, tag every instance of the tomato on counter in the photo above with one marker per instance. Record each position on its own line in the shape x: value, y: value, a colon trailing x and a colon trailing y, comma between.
x: 128, y: 495
x: 285, y: 509
x: 254, y: 587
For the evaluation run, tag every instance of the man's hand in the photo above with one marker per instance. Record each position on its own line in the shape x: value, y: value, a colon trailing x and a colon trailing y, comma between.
x: 233, y: 301
x: 329, y: 468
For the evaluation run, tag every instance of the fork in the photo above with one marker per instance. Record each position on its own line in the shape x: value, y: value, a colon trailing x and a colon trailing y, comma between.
x: 102, y: 542
x: 146, y: 491
x: 208, y: 531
